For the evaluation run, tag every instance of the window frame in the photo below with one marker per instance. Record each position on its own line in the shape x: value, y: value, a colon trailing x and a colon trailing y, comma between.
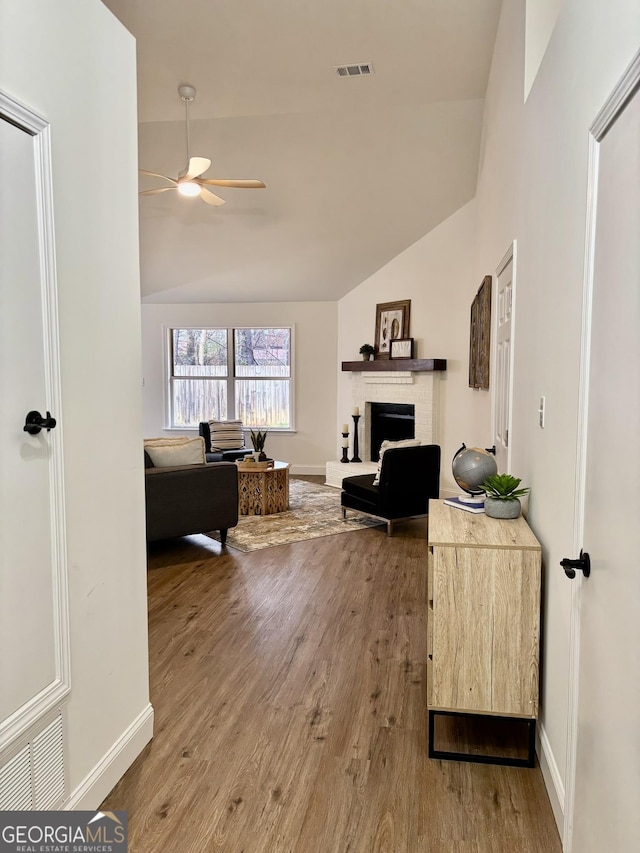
x: 230, y: 377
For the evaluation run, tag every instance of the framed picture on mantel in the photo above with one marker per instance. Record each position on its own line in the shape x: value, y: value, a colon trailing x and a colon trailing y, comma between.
x: 392, y: 322
x: 401, y: 348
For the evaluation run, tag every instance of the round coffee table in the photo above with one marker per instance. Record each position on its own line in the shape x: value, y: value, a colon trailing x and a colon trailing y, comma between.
x: 262, y: 491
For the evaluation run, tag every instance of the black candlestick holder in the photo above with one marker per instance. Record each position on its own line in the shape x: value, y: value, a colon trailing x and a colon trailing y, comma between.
x: 345, y: 448
x: 356, y: 458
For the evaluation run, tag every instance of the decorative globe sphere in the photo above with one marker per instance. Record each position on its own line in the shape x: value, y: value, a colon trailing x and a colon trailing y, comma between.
x: 471, y: 466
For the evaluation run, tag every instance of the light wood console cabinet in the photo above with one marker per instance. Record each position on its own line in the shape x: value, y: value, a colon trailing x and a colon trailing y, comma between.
x: 483, y: 628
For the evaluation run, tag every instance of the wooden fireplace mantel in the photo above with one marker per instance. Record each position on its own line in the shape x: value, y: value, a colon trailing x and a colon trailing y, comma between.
x: 414, y: 365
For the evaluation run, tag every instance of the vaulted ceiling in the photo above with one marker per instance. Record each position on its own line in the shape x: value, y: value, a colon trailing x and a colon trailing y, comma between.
x: 356, y: 168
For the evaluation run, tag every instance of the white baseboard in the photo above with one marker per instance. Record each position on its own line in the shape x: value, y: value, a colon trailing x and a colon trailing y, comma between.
x: 113, y: 765
x: 552, y: 779
x: 307, y: 469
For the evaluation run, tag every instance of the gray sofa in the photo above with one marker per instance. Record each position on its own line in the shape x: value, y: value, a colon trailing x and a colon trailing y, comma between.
x: 190, y: 499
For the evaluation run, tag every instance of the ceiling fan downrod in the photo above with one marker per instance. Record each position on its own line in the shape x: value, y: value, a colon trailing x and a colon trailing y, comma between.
x: 187, y: 94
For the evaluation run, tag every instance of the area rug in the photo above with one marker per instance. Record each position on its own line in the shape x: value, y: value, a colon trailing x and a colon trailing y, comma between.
x: 314, y: 511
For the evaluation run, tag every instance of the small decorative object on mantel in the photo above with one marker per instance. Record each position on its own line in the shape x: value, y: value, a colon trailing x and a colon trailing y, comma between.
x: 258, y: 439
x: 502, y: 496
x: 392, y: 321
x: 401, y: 348
x: 366, y: 351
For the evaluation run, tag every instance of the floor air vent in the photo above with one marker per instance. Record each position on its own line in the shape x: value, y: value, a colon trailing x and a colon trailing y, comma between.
x: 15, y: 783
x: 34, y: 778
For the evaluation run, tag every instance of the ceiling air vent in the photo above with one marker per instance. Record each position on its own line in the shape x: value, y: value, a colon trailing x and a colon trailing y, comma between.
x: 357, y: 69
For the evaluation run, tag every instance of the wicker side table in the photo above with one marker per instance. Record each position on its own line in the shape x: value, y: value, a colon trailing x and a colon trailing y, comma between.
x: 263, y: 490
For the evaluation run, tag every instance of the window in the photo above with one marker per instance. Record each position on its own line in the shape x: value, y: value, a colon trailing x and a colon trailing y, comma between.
x: 199, y: 376
x: 262, y: 370
x: 218, y: 374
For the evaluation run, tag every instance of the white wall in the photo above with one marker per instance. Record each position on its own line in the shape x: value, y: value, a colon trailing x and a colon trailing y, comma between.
x: 541, y: 17
x: 533, y: 186
x: 439, y: 275
x: 73, y: 63
x: 315, y: 324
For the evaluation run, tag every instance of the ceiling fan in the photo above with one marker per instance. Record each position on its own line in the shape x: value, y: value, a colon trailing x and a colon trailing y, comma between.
x: 189, y: 181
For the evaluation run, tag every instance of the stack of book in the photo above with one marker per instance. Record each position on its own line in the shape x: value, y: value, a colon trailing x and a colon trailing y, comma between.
x: 465, y: 504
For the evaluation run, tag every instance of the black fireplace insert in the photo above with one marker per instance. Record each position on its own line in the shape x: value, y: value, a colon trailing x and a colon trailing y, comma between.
x: 391, y: 422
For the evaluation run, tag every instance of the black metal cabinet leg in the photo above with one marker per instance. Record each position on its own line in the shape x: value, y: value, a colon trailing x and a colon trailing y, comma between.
x: 529, y: 761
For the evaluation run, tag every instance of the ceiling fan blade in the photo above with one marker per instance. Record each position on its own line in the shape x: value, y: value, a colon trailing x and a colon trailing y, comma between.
x: 157, y: 175
x: 155, y: 192
x: 240, y: 185
x: 210, y: 198
x: 197, y: 165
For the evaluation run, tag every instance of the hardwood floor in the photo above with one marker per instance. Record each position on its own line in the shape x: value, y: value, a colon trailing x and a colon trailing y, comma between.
x: 289, y: 693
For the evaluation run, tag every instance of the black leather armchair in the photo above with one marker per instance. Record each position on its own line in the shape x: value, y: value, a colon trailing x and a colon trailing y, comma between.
x: 222, y: 455
x: 409, y: 477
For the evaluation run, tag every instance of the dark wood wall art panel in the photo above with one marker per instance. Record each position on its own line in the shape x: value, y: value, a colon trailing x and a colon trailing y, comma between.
x: 480, y: 336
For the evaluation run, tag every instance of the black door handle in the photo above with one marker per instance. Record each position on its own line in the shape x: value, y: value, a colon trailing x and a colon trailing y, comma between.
x: 583, y: 564
x: 34, y: 422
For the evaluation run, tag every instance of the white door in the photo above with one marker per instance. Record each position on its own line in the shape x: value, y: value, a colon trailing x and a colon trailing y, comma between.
x: 33, y: 613
x: 503, y: 360
x: 605, y: 799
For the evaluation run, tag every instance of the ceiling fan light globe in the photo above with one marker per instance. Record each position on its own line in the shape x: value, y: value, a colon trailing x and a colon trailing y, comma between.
x: 189, y: 188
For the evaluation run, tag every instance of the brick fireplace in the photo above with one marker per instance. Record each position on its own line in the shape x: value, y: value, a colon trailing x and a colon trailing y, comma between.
x: 420, y: 388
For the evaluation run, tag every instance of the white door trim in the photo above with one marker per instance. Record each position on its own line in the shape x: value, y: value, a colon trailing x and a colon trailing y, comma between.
x: 510, y: 255
x: 53, y: 693
x: 607, y: 116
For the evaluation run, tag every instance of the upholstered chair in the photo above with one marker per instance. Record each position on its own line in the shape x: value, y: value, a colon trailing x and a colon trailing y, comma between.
x: 223, y: 440
x: 409, y: 478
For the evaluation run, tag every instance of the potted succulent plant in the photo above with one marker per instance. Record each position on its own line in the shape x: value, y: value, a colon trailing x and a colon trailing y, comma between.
x: 366, y: 351
x: 258, y: 439
x: 502, y: 496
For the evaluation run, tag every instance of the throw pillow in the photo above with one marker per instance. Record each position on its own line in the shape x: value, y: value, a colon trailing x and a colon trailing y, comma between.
x: 166, y: 452
x: 387, y: 445
x: 226, y: 435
